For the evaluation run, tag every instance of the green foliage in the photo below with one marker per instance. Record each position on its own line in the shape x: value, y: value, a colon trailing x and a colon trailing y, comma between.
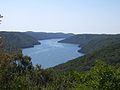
x: 12, y: 41
x: 44, y: 35
x: 18, y: 73
x: 92, y: 42
x: 109, y: 54
x: 103, y: 77
x: 100, y: 77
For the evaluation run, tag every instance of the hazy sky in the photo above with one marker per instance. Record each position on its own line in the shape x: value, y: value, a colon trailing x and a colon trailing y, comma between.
x: 77, y: 16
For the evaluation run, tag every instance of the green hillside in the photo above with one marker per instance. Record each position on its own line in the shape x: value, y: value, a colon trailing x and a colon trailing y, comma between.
x: 18, y: 73
x: 16, y: 40
x: 107, y: 50
x: 92, y: 42
x: 44, y: 35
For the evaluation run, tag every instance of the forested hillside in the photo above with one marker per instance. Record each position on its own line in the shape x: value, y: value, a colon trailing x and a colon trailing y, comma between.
x: 92, y: 42
x: 44, y: 35
x: 16, y: 40
x: 106, y: 48
x: 18, y: 73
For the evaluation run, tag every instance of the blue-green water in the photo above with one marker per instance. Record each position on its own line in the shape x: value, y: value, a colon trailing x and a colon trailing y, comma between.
x: 51, y: 53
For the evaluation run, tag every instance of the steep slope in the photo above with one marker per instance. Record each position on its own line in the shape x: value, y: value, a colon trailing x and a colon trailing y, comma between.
x: 16, y: 40
x: 43, y: 35
x: 110, y: 54
x: 107, y: 49
x: 92, y: 42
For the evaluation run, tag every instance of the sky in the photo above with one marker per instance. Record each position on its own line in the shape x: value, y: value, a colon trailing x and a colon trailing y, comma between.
x: 69, y: 16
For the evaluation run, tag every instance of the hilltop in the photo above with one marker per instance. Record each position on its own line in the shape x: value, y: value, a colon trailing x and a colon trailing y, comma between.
x: 44, y: 35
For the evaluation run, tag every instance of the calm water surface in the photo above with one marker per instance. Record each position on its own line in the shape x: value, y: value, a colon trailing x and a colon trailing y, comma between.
x: 51, y: 53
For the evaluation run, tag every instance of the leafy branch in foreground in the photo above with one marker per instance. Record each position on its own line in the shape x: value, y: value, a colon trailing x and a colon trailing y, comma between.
x: 18, y: 73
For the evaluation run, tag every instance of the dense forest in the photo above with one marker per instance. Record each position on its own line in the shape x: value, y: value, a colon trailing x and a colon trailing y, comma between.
x: 98, y: 69
x: 44, y: 35
x: 109, y: 54
x: 18, y: 73
x: 92, y: 42
x: 11, y: 41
